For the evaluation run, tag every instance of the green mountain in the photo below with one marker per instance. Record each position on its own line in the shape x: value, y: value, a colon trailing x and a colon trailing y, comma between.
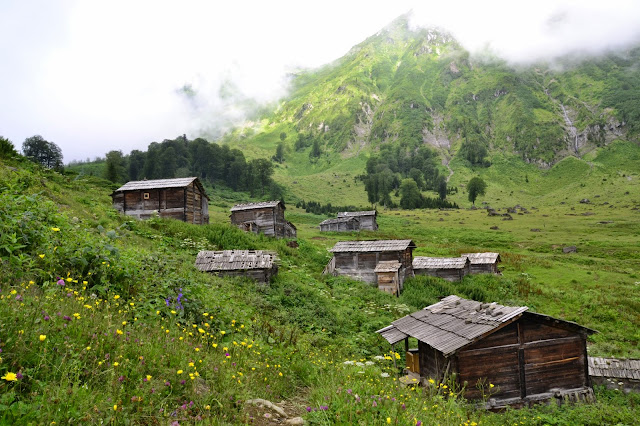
x: 416, y: 87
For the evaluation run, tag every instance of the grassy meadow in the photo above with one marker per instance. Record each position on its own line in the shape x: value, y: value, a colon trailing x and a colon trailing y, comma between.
x: 105, y: 319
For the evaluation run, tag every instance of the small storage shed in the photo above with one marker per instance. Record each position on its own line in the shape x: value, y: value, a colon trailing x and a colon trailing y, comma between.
x: 181, y: 198
x: 483, y: 263
x: 621, y: 374
x: 265, y: 217
x: 448, y: 268
x: 528, y: 357
x: 366, y: 219
x: 359, y: 259
x: 387, y: 272
x: 256, y: 264
x: 342, y: 224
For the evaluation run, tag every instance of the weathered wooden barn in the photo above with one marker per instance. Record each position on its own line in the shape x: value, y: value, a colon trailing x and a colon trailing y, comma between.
x: 483, y: 263
x: 366, y: 219
x: 359, y: 259
x: 448, y: 268
x: 265, y: 217
x: 528, y: 357
x: 621, y: 374
x: 388, y: 276
x: 181, y: 198
x: 255, y: 264
x: 341, y: 224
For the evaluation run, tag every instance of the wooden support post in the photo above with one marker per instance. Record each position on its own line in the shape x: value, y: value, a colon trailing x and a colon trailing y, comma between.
x: 395, y: 366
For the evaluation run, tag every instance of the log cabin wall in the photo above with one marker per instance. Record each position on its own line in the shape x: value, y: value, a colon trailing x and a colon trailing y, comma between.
x: 362, y: 265
x: 368, y: 223
x: 432, y: 362
x: 525, y: 358
x: 262, y: 217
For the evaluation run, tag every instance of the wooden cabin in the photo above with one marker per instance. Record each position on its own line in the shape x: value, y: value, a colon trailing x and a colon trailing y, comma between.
x: 366, y: 219
x: 620, y: 374
x: 341, y: 224
x: 265, y: 217
x: 528, y: 357
x: 448, y: 268
x: 387, y: 274
x: 255, y: 264
x: 359, y: 259
x: 483, y: 263
x: 181, y: 198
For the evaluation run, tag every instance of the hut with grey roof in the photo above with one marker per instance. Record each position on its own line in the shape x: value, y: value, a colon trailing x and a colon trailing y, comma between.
x: 483, y: 263
x: 620, y: 374
x: 255, y: 264
x: 182, y: 198
x: 448, y: 268
x: 266, y: 217
x: 527, y: 357
x: 351, y: 221
x: 359, y: 259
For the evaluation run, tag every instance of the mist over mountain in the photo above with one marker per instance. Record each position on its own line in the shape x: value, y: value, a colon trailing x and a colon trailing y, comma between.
x: 415, y: 86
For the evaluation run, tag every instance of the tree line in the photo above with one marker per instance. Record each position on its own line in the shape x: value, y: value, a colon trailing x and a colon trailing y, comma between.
x: 400, y: 164
x: 180, y: 157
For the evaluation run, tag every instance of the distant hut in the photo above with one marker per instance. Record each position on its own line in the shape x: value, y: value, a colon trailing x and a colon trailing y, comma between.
x: 528, y: 357
x: 265, y: 217
x: 256, y: 264
x: 182, y: 198
x: 448, y: 268
x: 621, y: 374
x: 366, y: 219
x: 341, y: 224
x: 359, y: 259
x: 387, y: 273
x: 483, y: 263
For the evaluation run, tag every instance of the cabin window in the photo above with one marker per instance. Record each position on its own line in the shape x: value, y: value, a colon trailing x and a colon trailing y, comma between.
x: 145, y: 195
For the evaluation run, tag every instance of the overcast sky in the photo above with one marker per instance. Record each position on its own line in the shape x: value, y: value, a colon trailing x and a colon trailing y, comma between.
x: 93, y: 76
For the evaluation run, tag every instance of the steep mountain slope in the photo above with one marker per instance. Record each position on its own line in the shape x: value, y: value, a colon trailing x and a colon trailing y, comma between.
x: 419, y: 86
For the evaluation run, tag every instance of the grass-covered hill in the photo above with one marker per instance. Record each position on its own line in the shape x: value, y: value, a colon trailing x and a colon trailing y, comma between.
x: 104, y: 318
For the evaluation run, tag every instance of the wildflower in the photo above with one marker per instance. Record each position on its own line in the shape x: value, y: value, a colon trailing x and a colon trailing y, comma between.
x: 76, y: 315
x: 222, y: 332
x: 41, y: 256
x: 388, y: 420
x: 207, y: 407
x: 55, y: 229
x: 180, y: 372
x: 215, y: 345
x: 19, y: 375
x: 66, y: 318
x: 116, y: 297
x: 60, y: 282
x: 43, y: 337
x: 118, y: 331
x: 10, y: 377
x: 124, y: 323
x: 308, y: 409
x: 115, y: 407
x: 115, y: 364
x: 88, y: 348
x: 490, y: 385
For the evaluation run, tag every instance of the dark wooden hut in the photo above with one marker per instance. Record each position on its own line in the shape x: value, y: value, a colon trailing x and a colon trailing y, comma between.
x: 448, y: 268
x: 366, y: 219
x: 358, y: 259
x: 483, y: 263
x: 256, y: 264
x: 528, y: 357
x: 266, y: 217
x: 181, y: 198
x: 341, y: 224
x: 387, y: 273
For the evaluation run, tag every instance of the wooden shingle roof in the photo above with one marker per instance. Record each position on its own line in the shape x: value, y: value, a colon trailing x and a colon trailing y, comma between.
x: 338, y: 220
x: 421, y: 262
x: 156, y: 184
x: 482, y: 258
x: 356, y: 214
x: 234, y: 260
x: 452, y: 323
x: 616, y: 368
x: 251, y: 206
x: 387, y: 266
x: 372, y: 246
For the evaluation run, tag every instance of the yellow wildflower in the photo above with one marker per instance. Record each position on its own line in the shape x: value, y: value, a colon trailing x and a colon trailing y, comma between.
x: 10, y: 377
x: 43, y: 337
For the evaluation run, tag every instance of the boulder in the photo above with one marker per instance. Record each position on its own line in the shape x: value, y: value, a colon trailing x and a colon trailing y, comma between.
x: 570, y: 249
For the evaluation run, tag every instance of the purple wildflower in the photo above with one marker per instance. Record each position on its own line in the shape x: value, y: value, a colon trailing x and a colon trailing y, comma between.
x: 66, y: 318
x: 308, y: 409
x: 46, y: 318
x: 349, y: 391
x: 375, y: 404
x: 404, y: 407
x: 18, y: 297
x: 19, y: 375
x: 61, y: 282
x: 167, y: 383
x: 182, y: 382
x: 418, y: 423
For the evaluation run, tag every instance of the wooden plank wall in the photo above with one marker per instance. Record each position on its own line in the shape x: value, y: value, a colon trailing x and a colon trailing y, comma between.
x: 432, y: 362
x: 525, y: 358
x: 263, y: 218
